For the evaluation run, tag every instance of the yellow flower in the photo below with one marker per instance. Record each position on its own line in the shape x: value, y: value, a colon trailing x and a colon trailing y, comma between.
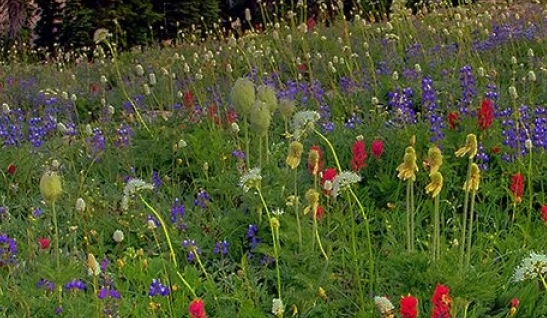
x: 50, y: 186
x: 321, y: 293
x: 295, y: 154
x: 313, y: 201
x: 436, y: 184
x: 474, y: 179
x: 434, y: 159
x: 470, y: 147
x: 314, y: 157
x: 407, y: 169
x: 274, y: 222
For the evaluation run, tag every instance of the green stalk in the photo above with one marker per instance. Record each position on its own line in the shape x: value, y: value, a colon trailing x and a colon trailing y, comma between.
x: 55, y: 226
x: 470, y: 230
x: 296, y: 211
x: 247, y: 154
x: 275, y: 239
x: 464, y: 217
x: 437, y: 229
x: 207, y: 276
x: 408, y: 217
x: 173, y: 255
x: 354, y: 253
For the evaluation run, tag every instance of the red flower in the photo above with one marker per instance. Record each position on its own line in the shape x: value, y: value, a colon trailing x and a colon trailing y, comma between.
x: 319, y: 212
x: 94, y: 88
x: 409, y: 306
x: 453, y: 120
x: 496, y: 150
x: 311, y: 24
x: 188, y: 99
x: 197, y: 309
x: 11, y: 169
x: 377, y: 148
x: 315, y: 160
x: 231, y: 117
x: 302, y: 68
x: 441, y: 296
x: 327, y: 177
x: 544, y: 213
x: 486, y: 114
x: 515, y: 302
x: 44, y: 243
x: 359, y: 155
x: 517, y: 187
x: 441, y: 312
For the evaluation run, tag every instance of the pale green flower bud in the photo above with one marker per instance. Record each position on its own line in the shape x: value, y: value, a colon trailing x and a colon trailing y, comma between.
x: 286, y: 107
x: 267, y: 95
x: 243, y: 96
x: 260, y: 118
x: 50, y: 186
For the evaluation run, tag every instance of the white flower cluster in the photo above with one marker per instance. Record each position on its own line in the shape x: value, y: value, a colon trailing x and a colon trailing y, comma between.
x: 302, y: 121
x: 250, y: 179
x: 383, y: 305
x: 132, y: 187
x: 277, y: 307
x: 342, y: 180
x: 531, y: 267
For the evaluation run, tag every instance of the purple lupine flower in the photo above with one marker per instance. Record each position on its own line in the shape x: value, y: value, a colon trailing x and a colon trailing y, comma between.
x: 239, y: 154
x: 429, y: 103
x: 45, y: 284
x: 75, y: 285
x: 221, y: 247
x: 8, y: 250
x: 400, y: 102
x: 150, y: 219
x: 58, y: 310
x: 192, y: 248
x: 267, y: 260
x: 104, y: 264
x: 36, y: 132
x: 353, y: 121
x: 124, y: 136
x: 156, y: 180
x: 177, y: 211
x: 252, y: 238
x: 202, y: 199
x: 467, y: 83
x: 37, y: 212
x: 108, y: 292
x: 157, y: 288
x: 97, y: 142
x: 482, y: 158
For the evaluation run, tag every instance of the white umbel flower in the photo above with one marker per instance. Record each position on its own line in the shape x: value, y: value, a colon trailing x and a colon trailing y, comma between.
x: 250, y: 180
x: 277, y: 307
x: 303, y: 121
x: 531, y: 267
x: 343, y: 180
x: 131, y: 188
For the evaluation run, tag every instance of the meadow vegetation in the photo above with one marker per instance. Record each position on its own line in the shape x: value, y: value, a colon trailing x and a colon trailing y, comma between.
x: 366, y: 169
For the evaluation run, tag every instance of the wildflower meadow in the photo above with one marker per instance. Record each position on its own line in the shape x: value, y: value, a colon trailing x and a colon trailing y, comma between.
x: 374, y: 167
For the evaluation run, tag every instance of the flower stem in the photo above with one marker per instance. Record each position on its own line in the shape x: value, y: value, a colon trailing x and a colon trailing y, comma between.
x: 275, y: 238
x: 437, y: 229
x: 56, y: 228
x: 408, y: 217
x: 464, y: 216
x: 296, y: 210
x: 170, y: 245
x: 470, y: 229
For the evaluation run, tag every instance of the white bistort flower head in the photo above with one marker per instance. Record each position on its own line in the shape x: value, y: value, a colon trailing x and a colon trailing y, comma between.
x: 302, y: 121
x: 277, y: 307
x: 342, y: 180
x: 250, y: 179
x: 131, y: 188
x: 531, y: 267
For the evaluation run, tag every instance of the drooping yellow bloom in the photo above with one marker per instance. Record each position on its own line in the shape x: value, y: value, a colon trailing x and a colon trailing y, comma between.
x: 434, y: 159
x: 474, y: 179
x: 407, y: 169
x: 470, y: 147
x: 295, y: 154
x: 435, y: 185
x: 313, y: 201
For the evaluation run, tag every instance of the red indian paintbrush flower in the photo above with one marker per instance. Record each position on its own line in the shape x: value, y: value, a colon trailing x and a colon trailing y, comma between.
x: 441, y: 301
x: 514, y: 307
x: 486, y: 114
x: 197, y: 309
x: 44, y: 243
x: 11, y: 169
x: 409, y: 307
x: 453, y: 120
x: 544, y: 213
x: 319, y: 212
x: 188, y: 99
x: 359, y: 155
x: 517, y: 187
x: 377, y: 149
x: 327, y: 178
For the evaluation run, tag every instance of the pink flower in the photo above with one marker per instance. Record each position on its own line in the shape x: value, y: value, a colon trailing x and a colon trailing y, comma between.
x: 377, y: 148
x: 359, y: 155
x: 44, y: 243
x: 197, y: 309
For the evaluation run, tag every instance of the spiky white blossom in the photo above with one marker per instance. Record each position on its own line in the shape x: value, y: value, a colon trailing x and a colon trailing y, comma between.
x: 131, y: 188
x: 302, y: 121
x: 342, y: 180
x: 531, y: 267
x: 250, y: 179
